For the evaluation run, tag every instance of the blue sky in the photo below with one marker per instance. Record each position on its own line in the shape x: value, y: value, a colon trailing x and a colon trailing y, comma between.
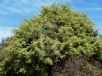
x: 14, y: 12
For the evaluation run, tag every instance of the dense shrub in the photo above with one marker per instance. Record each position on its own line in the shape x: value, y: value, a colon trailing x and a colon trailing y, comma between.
x: 57, y: 33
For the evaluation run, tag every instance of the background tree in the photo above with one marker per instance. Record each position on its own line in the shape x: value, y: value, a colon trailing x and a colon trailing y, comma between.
x: 57, y: 33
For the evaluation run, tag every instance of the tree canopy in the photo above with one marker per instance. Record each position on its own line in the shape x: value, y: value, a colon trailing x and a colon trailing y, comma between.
x: 57, y: 33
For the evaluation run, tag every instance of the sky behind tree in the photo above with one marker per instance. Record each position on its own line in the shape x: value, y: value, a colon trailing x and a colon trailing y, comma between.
x: 14, y: 12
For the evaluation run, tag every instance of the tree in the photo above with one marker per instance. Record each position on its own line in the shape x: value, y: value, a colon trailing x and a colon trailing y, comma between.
x: 4, y: 42
x: 57, y: 33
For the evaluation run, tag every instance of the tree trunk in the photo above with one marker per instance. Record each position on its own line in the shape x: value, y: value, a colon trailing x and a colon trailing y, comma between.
x: 49, y: 70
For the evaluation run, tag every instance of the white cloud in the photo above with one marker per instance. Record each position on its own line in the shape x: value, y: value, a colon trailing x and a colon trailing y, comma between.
x: 99, y: 28
x: 70, y: 1
x: 25, y: 1
x: 16, y: 7
x: 2, y: 12
x: 13, y: 9
x: 22, y: 6
x: 5, y: 32
x: 92, y: 9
